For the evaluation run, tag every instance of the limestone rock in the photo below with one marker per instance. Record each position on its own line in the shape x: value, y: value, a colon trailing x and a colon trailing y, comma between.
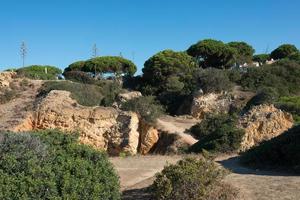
x: 6, y: 78
x: 101, y: 127
x: 210, y: 103
x: 148, y: 137
x: 123, y: 97
x: 263, y: 122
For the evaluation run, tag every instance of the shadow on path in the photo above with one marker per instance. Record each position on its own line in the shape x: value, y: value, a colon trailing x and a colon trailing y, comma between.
x: 136, y: 194
x: 234, y: 165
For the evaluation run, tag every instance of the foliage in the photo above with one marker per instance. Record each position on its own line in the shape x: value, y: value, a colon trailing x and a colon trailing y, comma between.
x: 213, y: 53
x: 244, y: 52
x: 266, y: 95
x: 213, y: 80
x: 282, y: 75
x: 261, y: 58
x: 146, y: 106
x: 169, y: 74
x: 76, y: 66
x: 104, y: 64
x: 295, y: 57
x: 290, y: 104
x: 52, y: 165
x: 191, y: 178
x: 39, y: 72
x: 279, y: 152
x: 284, y: 51
x: 110, y: 92
x: 79, y: 76
x: 84, y: 94
x: 217, y: 134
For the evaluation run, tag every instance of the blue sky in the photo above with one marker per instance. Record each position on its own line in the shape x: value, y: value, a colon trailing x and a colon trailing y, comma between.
x: 59, y: 32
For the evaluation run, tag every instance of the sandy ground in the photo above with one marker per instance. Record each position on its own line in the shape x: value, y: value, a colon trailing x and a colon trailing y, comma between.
x: 178, y: 125
x: 136, y: 174
x: 13, y: 112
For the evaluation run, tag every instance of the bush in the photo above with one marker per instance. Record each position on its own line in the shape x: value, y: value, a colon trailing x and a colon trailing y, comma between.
x: 79, y: 76
x: 217, y: 134
x: 52, y: 165
x: 147, y: 107
x: 39, y: 72
x: 267, y: 95
x: 213, y: 80
x: 290, y: 104
x: 191, y: 179
x: 281, y: 152
x: 282, y: 75
x: 84, y: 94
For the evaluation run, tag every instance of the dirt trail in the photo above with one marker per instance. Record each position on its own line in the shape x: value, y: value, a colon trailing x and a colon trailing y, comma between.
x: 13, y: 112
x: 137, y: 173
x: 177, y: 125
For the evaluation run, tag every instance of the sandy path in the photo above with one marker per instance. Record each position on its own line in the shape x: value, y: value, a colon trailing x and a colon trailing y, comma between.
x: 177, y: 125
x: 136, y: 174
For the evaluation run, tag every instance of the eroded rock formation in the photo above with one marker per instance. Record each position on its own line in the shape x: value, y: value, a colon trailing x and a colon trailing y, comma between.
x: 263, y: 122
x: 6, y: 78
x: 104, y: 128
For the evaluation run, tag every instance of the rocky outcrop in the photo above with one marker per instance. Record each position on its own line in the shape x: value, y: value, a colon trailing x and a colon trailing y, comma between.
x: 6, y: 78
x: 123, y: 97
x: 101, y: 127
x: 148, y: 137
x: 262, y: 123
x: 215, y: 103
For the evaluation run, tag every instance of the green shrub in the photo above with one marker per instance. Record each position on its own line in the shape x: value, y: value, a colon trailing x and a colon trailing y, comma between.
x: 147, y: 107
x: 290, y: 104
x: 213, y: 80
x: 52, y: 165
x: 79, y: 76
x: 267, y: 95
x: 282, y: 75
x: 110, y: 90
x: 84, y: 94
x: 39, y: 72
x: 191, y: 178
x: 279, y: 152
x: 217, y: 134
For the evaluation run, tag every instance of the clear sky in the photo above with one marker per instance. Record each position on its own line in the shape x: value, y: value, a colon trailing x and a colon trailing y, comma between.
x: 59, y: 32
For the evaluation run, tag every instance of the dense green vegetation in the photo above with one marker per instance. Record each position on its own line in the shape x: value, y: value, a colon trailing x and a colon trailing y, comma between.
x: 192, y: 178
x: 283, y: 76
x: 213, y: 53
x: 277, y: 153
x: 52, y: 165
x: 261, y: 58
x: 284, y: 51
x: 290, y: 104
x: 114, y: 64
x: 217, y: 134
x: 147, y: 107
x: 244, y: 52
x: 39, y: 72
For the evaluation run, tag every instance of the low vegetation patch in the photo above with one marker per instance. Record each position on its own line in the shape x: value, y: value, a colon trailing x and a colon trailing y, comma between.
x: 290, y: 104
x: 52, y: 165
x: 217, y: 134
x: 192, y: 178
x: 281, y: 152
x: 39, y: 72
x: 147, y: 107
x: 85, y: 94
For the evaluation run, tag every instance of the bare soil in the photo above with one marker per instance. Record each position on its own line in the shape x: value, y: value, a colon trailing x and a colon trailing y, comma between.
x: 137, y: 173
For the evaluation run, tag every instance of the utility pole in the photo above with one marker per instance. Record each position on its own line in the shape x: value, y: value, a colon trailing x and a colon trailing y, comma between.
x: 121, y: 55
x: 23, y: 52
x: 94, y: 55
x: 94, y: 51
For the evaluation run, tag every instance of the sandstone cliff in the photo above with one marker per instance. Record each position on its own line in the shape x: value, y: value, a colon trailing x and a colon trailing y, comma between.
x: 263, y: 122
x: 6, y: 78
x: 104, y: 128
